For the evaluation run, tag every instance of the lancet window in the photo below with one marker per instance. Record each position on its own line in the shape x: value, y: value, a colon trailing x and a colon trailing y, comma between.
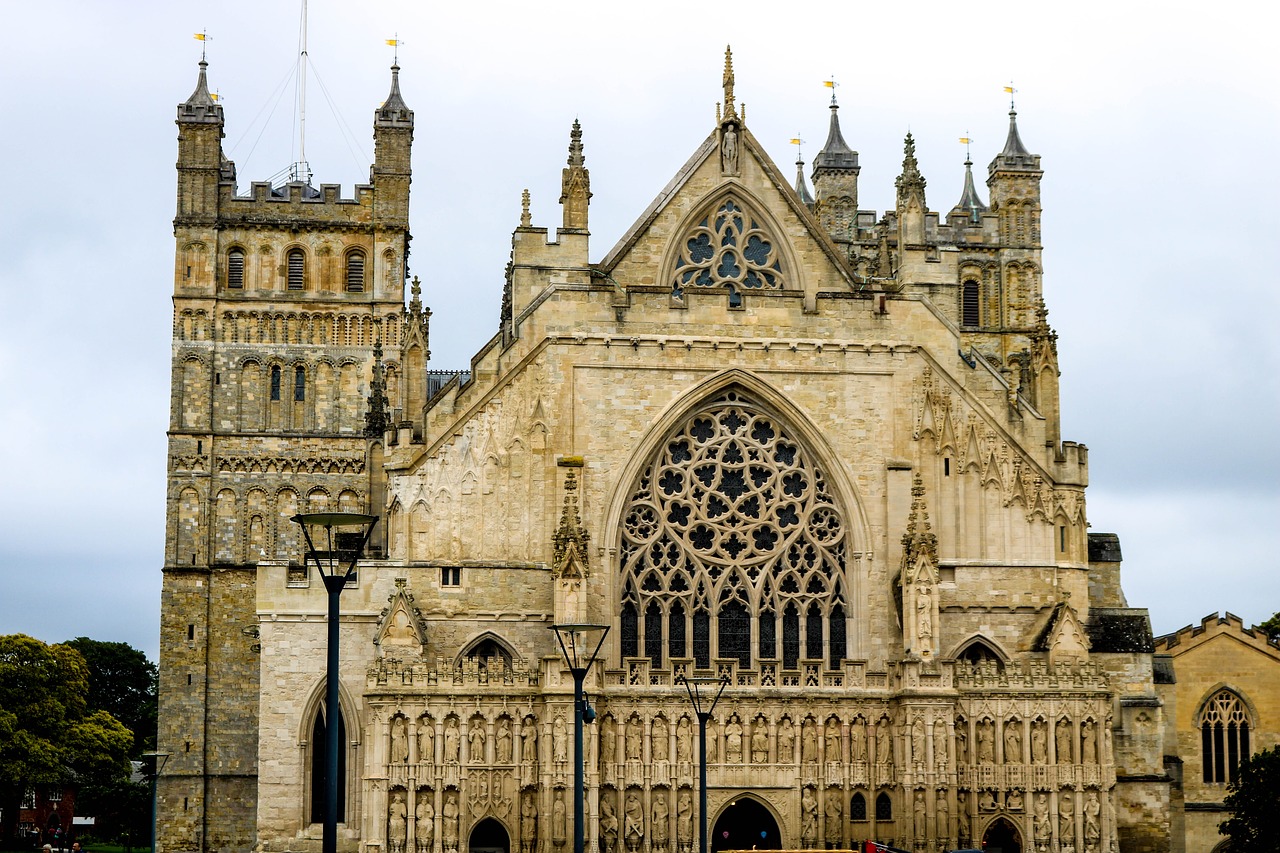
x: 1224, y: 735
x: 732, y: 528
x: 729, y: 248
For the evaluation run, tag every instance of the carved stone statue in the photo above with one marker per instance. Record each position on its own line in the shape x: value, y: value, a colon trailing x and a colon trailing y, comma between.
x: 1013, y: 802
x: 786, y: 741
x: 634, y: 739
x: 963, y: 824
x: 884, y: 743
x: 808, y: 742
x: 529, y: 741
x: 986, y: 742
x: 399, y: 741
x: 426, y: 740
x: 987, y: 800
x: 1105, y: 755
x: 608, y: 741
x: 424, y: 832
x: 660, y: 828
x: 559, y: 822
x: 962, y: 742
x: 759, y: 742
x: 729, y: 149
x: 833, y: 808
x: 808, y: 819
x: 660, y: 740
x: 684, y: 821
x: 397, y: 823
x: 920, y: 816
x: 1092, y: 824
x: 503, y: 752
x: 733, y: 741
x: 1039, y: 743
x: 712, y: 740
x: 608, y: 824
x: 475, y: 742
x: 449, y: 828
x: 528, y: 824
x: 917, y: 741
x: 633, y: 821
x: 451, y: 742
x: 1012, y: 742
x: 684, y: 741
x: 940, y: 810
x: 831, y: 747
x: 1062, y: 740
x: 1041, y: 826
x: 559, y: 740
x: 858, y: 740
x: 1066, y: 820
x: 940, y: 743
x: 1088, y: 743
x: 924, y: 616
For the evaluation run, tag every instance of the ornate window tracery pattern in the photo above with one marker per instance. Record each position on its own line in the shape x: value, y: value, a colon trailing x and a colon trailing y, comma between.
x: 1224, y: 733
x: 729, y: 248
x: 730, y: 524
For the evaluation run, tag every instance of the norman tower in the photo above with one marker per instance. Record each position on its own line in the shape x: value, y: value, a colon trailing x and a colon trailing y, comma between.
x: 283, y: 299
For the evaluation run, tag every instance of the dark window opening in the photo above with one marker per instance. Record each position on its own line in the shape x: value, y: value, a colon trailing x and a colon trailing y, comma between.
x: 946, y: 467
x: 319, y: 764
x: 702, y: 639
x: 653, y: 633
x: 735, y: 632
x: 297, y: 269
x: 837, y: 636
x: 884, y: 807
x: 355, y: 272
x: 275, y: 382
x: 451, y: 576
x: 768, y: 635
x: 858, y: 807
x: 630, y: 631
x: 813, y: 632
x: 235, y: 268
x: 969, y: 314
x: 677, y: 647
x: 299, y: 385
x: 790, y: 637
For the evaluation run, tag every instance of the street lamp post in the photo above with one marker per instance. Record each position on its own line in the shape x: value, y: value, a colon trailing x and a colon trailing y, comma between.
x: 335, y: 561
x: 158, y: 761
x: 695, y: 685
x: 575, y: 639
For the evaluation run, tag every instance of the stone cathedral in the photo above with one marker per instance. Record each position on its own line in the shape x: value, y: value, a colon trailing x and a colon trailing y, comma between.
x: 770, y: 436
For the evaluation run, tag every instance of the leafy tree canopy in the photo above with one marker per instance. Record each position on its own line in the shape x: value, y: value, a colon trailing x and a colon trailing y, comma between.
x: 1254, y: 824
x: 122, y: 682
x: 1272, y: 626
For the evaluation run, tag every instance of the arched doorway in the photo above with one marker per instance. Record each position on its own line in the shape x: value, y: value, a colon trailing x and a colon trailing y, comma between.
x: 745, y: 824
x: 489, y: 836
x: 1002, y: 837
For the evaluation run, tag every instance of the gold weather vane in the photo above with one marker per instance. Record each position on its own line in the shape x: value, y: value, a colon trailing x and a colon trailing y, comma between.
x: 395, y: 45
x: 966, y: 140
x: 202, y: 37
x: 797, y: 142
x: 831, y: 84
x: 1010, y: 90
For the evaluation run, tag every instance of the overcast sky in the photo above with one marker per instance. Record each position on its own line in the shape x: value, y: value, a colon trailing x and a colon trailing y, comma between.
x: 1158, y: 126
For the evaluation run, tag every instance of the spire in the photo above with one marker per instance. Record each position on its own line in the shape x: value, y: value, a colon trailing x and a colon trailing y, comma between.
x: 376, y: 420
x: 919, y: 540
x: 1013, y: 146
x: 969, y: 201
x: 802, y: 189
x: 910, y: 183
x: 835, y: 154
x: 729, y: 111
x: 200, y: 106
x: 575, y: 183
x: 1015, y: 155
x: 569, y: 543
x: 394, y: 111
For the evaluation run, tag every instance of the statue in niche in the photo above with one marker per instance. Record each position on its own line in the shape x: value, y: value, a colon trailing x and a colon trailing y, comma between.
x: 858, y: 740
x: 917, y: 741
x: 832, y: 744
x: 962, y: 742
x: 729, y: 149
x: 786, y: 741
x: 451, y: 742
x: 634, y: 736
x: 808, y: 819
x: 713, y: 739
x: 426, y: 740
x: 1012, y: 742
x: 660, y: 834
x: 962, y: 816
x: 1042, y: 828
x: 1062, y: 740
x: 924, y: 616
x: 987, y: 800
x: 684, y: 741
x: 475, y: 741
x: 884, y: 743
x: 633, y: 820
x: 424, y: 832
x: 1039, y: 743
x: 759, y: 742
x: 529, y: 741
x: 1066, y: 820
x: 559, y: 822
x: 399, y: 741
x: 449, y: 830
x: 528, y: 824
x: 559, y: 740
x: 608, y: 741
x: 940, y: 809
x: 397, y: 823
x: 940, y: 743
x: 660, y: 740
x: 809, y: 742
x: 684, y: 821
x: 920, y: 816
x: 833, y: 808
x: 1092, y: 824
x: 733, y: 741
x: 986, y: 742
x: 1088, y: 742
x: 608, y: 824
x: 1013, y: 802
x: 504, y: 741
x: 1105, y: 756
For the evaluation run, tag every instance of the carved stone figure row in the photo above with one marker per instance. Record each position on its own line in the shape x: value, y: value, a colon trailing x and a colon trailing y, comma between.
x: 423, y: 821
x: 1065, y: 746
x: 635, y: 826
x: 426, y: 733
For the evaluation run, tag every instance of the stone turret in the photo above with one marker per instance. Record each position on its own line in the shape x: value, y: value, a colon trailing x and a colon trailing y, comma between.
x: 835, y: 181
x: 390, y: 173
x: 802, y: 188
x: 1013, y: 179
x: 970, y: 207
x: 200, y: 161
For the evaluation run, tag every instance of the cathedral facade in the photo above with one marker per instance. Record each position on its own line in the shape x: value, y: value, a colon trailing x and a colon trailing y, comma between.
x: 770, y: 437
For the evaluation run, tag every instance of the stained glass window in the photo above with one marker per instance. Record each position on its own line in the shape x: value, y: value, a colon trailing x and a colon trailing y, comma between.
x: 813, y: 632
x: 857, y: 807
x: 729, y: 248
x: 837, y: 635
x: 653, y: 633
x: 630, y: 631
x: 676, y: 646
x: 884, y: 807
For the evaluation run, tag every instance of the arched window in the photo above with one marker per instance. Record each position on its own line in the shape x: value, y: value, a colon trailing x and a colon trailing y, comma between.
x: 969, y: 304
x: 733, y: 520
x: 355, y: 272
x: 319, y: 765
x: 235, y: 268
x: 275, y: 382
x: 728, y: 248
x: 299, y: 384
x: 676, y: 646
x: 297, y: 267
x: 978, y: 652
x: 1224, y: 737
x: 884, y: 807
x: 857, y: 806
x: 486, y: 649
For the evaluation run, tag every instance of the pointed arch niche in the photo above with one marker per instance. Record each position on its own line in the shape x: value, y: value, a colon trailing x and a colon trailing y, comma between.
x: 311, y: 735
x: 737, y: 537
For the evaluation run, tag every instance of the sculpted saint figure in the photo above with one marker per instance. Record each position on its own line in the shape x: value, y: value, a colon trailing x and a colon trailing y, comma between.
x: 661, y: 820
x: 786, y: 741
x: 633, y: 820
x: 529, y: 741
x: 940, y: 743
x: 608, y: 824
x: 833, y: 809
x: 634, y: 736
x: 920, y: 815
x: 940, y: 809
x: 917, y: 741
x: 558, y: 820
x: 924, y: 615
x: 729, y: 149
x: 451, y: 742
x: 808, y: 818
x: 1041, y: 826
x: 713, y: 739
x: 1088, y: 743
x: 986, y: 742
x: 1039, y: 743
x: 962, y: 816
x: 759, y: 742
x: 475, y: 742
x: 808, y: 742
x: 684, y: 820
x: 1012, y: 742
x: 1062, y: 740
x: 858, y: 740
x: 559, y: 740
x: 1066, y: 819
x: 660, y: 740
x: 426, y: 740
x: 884, y: 743
x: 733, y: 741
x: 608, y: 741
x: 832, y: 745
x: 399, y: 741
x: 1092, y: 826
x: 962, y: 742
x: 397, y: 825
x: 450, y: 829
x: 1014, y: 801
x: 504, y: 741
x: 684, y: 741
x: 425, y: 825
x: 528, y: 824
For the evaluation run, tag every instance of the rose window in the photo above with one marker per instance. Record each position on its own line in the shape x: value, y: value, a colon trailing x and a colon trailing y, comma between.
x: 733, y: 540
x: 728, y: 249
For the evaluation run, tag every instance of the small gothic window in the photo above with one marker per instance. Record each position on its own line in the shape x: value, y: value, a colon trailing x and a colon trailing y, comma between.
x: 489, y: 649
x: 790, y: 637
x: 702, y: 639
x: 728, y: 248
x: 768, y: 634
x: 979, y: 652
x: 837, y: 636
x: 884, y: 807
x: 813, y: 632
x: 297, y: 269
x: 676, y: 646
x: 969, y: 314
x: 630, y: 630
x: 275, y: 382
x: 319, y: 747
x: 451, y: 576
x: 857, y: 807
x: 1224, y: 736
x: 355, y: 272
x: 235, y: 268
x: 653, y: 633
x: 735, y: 633
x: 299, y: 385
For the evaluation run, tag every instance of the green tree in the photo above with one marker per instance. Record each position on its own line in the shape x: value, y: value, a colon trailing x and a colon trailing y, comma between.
x: 48, y: 733
x: 1254, y: 824
x: 122, y: 682
x: 1272, y: 626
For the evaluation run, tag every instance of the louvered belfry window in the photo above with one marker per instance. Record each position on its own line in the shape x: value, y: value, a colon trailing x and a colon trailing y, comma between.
x: 235, y: 268
x: 297, y: 270
x: 355, y: 272
x: 970, y: 315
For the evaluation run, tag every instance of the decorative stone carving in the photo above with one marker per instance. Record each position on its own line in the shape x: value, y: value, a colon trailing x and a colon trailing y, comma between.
x: 986, y: 742
x: 684, y: 821
x: 608, y: 823
x: 786, y: 741
x: 1013, y: 802
x: 1088, y: 742
x: 451, y: 740
x: 559, y: 833
x: 449, y: 826
x: 397, y: 823
x: 920, y: 816
x: 1039, y: 742
x: 1062, y: 740
x: 963, y: 825
x: 917, y: 741
x: 729, y: 149
x: 529, y: 742
x: 809, y: 742
x: 475, y: 741
x: 759, y: 741
x: 808, y: 819
x: 1066, y: 820
x: 1013, y: 742
x: 424, y: 829
x: 884, y: 743
x: 962, y: 742
x: 940, y: 809
x: 634, y: 739
x: 832, y: 738
x: 660, y: 740
x: 684, y: 741
x: 660, y: 832
x: 1092, y: 823
x: 399, y: 741
x: 633, y: 820
x: 733, y: 741
x: 504, y: 741
x: 940, y: 744
x: 559, y: 740
x: 426, y: 740
x: 834, y: 809
x: 528, y: 823
x: 1041, y: 826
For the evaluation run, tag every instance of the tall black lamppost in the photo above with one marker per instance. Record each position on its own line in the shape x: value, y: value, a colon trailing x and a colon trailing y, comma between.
x: 158, y: 761
x: 335, y: 560
x: 699, y: 686
x: 575, y: 640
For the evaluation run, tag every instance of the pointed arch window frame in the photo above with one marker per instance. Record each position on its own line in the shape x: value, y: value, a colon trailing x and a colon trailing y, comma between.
x: 706, y: 251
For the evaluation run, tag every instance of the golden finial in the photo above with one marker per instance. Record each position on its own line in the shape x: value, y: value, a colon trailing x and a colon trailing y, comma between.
x: 729, y: 111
